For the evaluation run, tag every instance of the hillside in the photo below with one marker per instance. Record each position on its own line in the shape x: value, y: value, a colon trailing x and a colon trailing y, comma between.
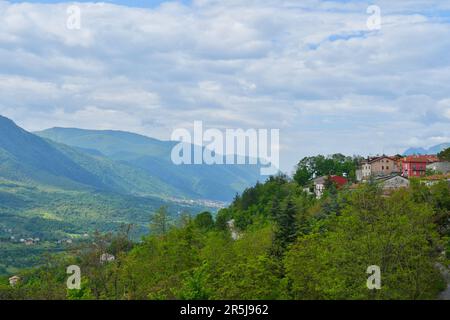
x: 273, y: 242
x: 220, y: 182
x: 53, y: 191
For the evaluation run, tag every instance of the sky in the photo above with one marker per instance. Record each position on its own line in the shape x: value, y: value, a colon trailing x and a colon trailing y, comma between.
x: 313, y: 69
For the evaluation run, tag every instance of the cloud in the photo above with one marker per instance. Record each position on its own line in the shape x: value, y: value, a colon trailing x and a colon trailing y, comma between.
x: 310, y: 68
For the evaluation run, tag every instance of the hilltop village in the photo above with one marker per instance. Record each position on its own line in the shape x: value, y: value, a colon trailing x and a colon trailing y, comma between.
x: 391, y: 172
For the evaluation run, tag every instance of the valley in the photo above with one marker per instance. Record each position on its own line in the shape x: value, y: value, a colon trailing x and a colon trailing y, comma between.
x: 66, y: 184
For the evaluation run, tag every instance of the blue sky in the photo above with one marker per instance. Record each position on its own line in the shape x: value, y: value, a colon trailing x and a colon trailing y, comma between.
x: 311, y: 68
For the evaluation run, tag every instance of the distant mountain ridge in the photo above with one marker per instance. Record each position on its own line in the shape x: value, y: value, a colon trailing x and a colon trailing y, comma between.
x: 432, y: 150
x: 52, y: 191
x: 29, y: 158
x: 113, y: 161
x: 152, y: 156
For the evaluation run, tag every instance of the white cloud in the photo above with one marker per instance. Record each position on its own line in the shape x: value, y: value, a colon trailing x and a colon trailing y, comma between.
x: 310, y: 68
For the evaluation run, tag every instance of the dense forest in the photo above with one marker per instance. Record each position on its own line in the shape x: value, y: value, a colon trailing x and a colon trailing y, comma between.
x: 275, y: 241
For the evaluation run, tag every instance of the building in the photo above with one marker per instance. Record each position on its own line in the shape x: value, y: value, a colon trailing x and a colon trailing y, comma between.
x: 439, y: 167
x: 365, y: 171
x: 383, y: 166
x: 14, y: 280
x: 319, y: 184
x: 416, y: 166
x: 378, y: 166
x: 393, y: 182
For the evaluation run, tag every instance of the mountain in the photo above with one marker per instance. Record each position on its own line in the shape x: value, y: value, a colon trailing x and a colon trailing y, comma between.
x: 26, y: 157
x: 68, y: 183
x: 52, y: 191
x: 218, y: 182
x: 432, y: 150
x: 113, y: 161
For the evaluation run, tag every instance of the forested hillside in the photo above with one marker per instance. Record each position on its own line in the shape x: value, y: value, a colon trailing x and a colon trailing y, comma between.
x: 152, y: 157
x: 273, y: 242
x: 54, y: 192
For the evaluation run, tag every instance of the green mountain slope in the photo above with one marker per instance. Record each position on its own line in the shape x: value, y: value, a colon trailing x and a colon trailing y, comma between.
x: 28, y: 158
x: 219, y: 182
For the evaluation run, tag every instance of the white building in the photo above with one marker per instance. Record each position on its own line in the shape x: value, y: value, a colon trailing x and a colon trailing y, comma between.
x: 319, y: 186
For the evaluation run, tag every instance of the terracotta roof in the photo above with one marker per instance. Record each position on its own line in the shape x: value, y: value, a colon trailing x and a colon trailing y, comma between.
x: 340, y: 181
x: 424, y: 158
x: 382, y: 157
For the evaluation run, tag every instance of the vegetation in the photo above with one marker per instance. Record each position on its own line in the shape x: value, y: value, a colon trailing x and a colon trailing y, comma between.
x: 336, y: 164
x: 52, y: 215
x: 289, y: 245
x: 444, y: 155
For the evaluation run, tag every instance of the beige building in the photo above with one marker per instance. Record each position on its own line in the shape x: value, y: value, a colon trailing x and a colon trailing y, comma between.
x: 379, y: 166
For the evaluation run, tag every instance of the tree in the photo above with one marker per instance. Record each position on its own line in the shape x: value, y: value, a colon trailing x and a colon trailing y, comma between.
x: 302, y: 175
x: 336, y: 164
x: 444, y: 155
x: 160, y: 221
x: 396, y: 234
x: 204, y: 220
x: 285, y: 226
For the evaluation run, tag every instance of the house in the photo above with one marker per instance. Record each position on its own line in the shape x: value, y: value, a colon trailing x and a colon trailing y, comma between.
x: 377, y: 166
x: 359, y: 174
x: 106, y: 257
x: 366, y: 169
x: 383, y: 166
x: 441, y: 167
x: 14, y: 280
x: 393, y: 182
x: 319, y: 184
x: 416, y: 166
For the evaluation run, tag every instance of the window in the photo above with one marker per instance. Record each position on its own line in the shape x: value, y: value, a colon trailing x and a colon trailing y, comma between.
x: 387, y: 167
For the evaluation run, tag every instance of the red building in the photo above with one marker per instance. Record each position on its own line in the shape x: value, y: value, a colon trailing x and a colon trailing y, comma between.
x: 416, y: 166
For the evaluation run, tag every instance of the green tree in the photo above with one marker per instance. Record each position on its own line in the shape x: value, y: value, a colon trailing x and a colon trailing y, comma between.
x: 285, y: 226
x: 396, y: 234
x: 160, y: 221
x: 204, y: 220
x: 444, y: 155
